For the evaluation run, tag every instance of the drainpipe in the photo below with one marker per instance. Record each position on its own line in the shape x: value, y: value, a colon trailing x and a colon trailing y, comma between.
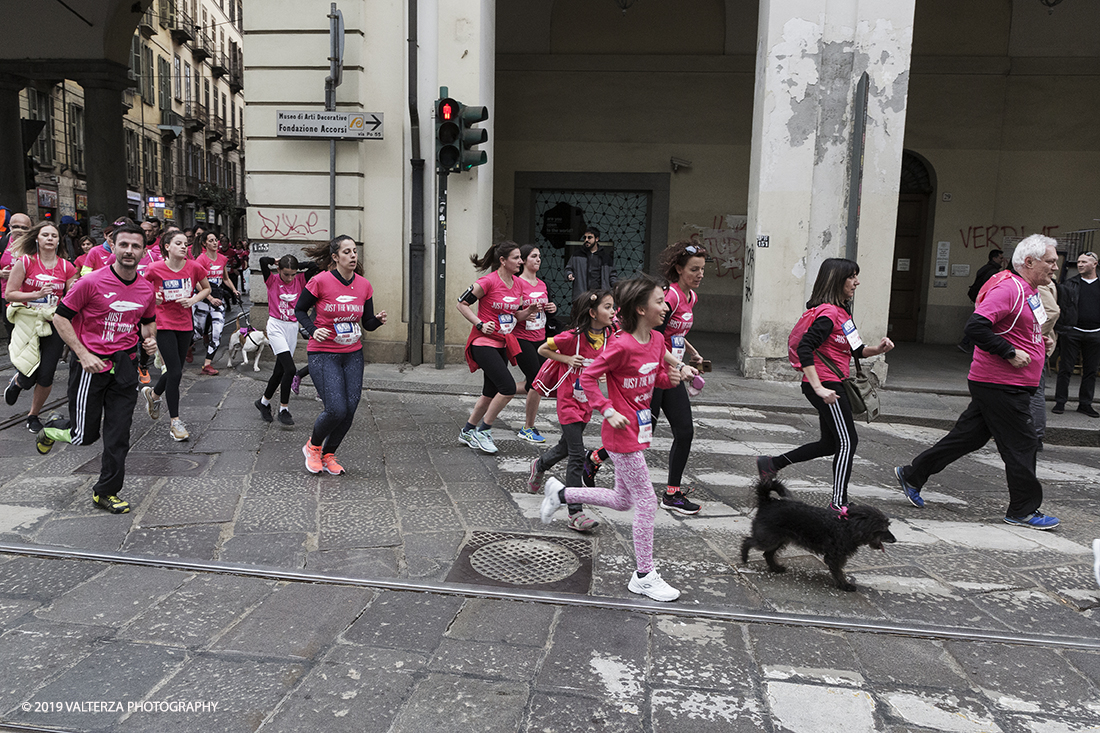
x: 416, y: 245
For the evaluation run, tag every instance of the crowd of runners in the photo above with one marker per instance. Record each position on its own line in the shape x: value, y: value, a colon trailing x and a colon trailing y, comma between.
x: 145, y: 294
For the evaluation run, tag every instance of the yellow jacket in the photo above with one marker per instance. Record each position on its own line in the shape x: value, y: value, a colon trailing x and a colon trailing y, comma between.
x: 31, y: 324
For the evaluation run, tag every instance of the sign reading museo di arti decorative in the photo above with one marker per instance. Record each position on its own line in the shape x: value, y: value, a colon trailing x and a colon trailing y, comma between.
x: 328, y: 125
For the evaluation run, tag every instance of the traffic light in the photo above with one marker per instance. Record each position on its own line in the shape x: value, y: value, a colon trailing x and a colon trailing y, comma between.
x: 472, y: 136
x: 447, y: 152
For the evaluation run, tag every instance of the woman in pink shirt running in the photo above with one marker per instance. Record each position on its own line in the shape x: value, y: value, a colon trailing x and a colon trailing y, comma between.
x: 635, y: 361
x: 38, y: 279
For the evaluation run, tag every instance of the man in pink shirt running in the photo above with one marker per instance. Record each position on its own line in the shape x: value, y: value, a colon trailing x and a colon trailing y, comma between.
x: 1006, y: 329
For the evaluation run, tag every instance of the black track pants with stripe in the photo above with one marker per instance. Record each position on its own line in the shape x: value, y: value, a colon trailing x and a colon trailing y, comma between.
x: 108, y: 398
x: 838, y: 439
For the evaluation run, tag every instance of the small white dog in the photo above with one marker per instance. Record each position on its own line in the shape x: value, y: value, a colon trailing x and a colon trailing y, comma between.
x: 245, y: 340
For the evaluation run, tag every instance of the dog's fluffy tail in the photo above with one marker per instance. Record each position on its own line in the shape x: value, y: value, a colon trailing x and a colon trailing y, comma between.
x: 765, y: 488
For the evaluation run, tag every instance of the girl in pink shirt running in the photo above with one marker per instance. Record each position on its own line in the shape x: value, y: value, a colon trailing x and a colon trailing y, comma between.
x: 634, y: 361
x: 831, y: 336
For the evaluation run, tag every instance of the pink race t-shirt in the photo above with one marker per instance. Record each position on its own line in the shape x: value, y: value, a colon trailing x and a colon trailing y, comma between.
x: 79, y: 261
x: 1011, y: 306
x: 37, y: 276
x: 215, y: 269
x: 97, y: 258
x: 680, y: 321
x: 282, y: 296
x: 340, y: 310
x: 6, y: 262
x: 573, y: 405
x: 108, y: 310
x: 842, y: 340
x: 498, y: 305
x: 633, y: 369
x: 534, y: 328
x: 175, y: 287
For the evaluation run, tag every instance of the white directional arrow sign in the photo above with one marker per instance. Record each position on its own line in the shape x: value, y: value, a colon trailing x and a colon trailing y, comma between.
x: 329, y: 125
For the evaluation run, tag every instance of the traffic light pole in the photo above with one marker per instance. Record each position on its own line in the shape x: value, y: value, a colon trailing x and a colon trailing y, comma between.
x: 441, y: 270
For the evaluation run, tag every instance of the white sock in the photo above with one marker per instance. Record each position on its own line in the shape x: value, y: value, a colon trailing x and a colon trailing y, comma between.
x: 284, y: 408
x: 265, y: 402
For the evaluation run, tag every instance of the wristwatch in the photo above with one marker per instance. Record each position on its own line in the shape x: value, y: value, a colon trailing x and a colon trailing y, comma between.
x: 479, y: 325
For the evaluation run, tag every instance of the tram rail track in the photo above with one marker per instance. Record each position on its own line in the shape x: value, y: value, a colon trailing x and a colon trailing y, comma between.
x: 748, y: 616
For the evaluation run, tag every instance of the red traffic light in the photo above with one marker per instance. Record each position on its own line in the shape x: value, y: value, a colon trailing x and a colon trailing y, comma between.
x: 448, y: 109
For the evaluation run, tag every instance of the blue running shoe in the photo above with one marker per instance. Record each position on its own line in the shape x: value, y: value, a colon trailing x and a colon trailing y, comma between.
x: 531, y: 436
x: 913, y: 495
x: 1035, y: 520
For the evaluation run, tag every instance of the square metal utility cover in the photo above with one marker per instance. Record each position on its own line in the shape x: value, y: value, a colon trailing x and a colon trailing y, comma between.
x: 530, y: 562
x: 156, y: 464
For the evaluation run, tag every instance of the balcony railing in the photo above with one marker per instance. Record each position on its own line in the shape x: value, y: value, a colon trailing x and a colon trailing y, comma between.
x: 236, y: 76
x: 183, y: 28
x: 147, y: 25
x: 194, y: 116
x: 231, y: 140
x: 215, y: 128
x: 187, y: 186
x: 219, y: 64
x: 201, y: 47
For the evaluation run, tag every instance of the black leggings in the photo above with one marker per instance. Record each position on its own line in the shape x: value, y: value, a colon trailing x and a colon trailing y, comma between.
x: 529, y: 361
x: 173, y: 347
x: 49, y: 353
x: 677, y: 406
x: 339, y: 381
x: 494, y: 365
x: 838, y: 439
x: 281, y: 377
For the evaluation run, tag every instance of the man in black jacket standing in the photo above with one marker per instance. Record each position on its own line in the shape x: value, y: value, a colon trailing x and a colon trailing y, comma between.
x: 1079, y: 333
x: 592, y: 268
x: 993, y: 265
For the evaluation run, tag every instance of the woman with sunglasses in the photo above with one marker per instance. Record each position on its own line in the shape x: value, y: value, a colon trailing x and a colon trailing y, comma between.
x: 682, y: 266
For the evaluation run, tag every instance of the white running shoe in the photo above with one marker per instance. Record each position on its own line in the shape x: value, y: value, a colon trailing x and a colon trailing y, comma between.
x: 551, y: 502
x: 152, y: 402
x: 178, y: 430
x: 484, y: 440
x: 1096, y: 559
x: 534, y: 481
x: 654, y: 586
x: 467, y: 437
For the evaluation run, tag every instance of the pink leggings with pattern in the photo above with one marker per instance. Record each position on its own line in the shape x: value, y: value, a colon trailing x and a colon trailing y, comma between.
x: 632, y: 489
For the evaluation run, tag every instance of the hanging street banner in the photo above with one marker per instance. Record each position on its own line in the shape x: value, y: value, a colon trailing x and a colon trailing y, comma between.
x: 328, y: 125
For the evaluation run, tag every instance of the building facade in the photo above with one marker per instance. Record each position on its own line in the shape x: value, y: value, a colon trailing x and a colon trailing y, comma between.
x: 182, y: 112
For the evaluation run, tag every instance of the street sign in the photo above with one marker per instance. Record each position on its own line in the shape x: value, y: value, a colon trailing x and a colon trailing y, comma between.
x: 328, y: 125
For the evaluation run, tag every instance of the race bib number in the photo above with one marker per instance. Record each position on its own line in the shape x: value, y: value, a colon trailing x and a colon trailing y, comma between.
x: 175, y: 290
x: 1037, y: 309
x: 679, y: 347
x: 507, y: 323
x: 852, y: 334
x: 578, y: 392
x: 44, y: 302
x: 645, y: 426
x: 537, y: 323
x: 347, y: 332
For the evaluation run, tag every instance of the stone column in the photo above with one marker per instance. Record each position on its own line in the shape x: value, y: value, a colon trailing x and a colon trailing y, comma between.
x: 13, y: 194
x: 810, y: 55
x: 105, y: 145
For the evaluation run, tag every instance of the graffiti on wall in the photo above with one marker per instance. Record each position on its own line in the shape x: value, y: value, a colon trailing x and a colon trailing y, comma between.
x: 980, y: 237
x: 725, y: 242
x: 290, y: 225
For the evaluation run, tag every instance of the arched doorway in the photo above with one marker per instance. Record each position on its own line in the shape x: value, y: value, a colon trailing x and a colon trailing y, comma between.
x: 910, y: 264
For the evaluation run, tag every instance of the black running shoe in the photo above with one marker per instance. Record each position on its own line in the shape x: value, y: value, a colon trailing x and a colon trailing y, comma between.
x: 588, y: 475
x: 111, y: 503
x: 679, y: 503
x: 284, y: 417
x: 265, y: 410
x: 11, y: 393
x: 34, y: 424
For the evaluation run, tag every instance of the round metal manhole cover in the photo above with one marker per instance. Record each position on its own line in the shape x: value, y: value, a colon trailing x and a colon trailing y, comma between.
x: 525, y: 561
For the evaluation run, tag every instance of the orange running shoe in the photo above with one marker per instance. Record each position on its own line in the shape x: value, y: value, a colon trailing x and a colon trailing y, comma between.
x: 328, y: 462
x: 143, y: 375
x: 313, y: 457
